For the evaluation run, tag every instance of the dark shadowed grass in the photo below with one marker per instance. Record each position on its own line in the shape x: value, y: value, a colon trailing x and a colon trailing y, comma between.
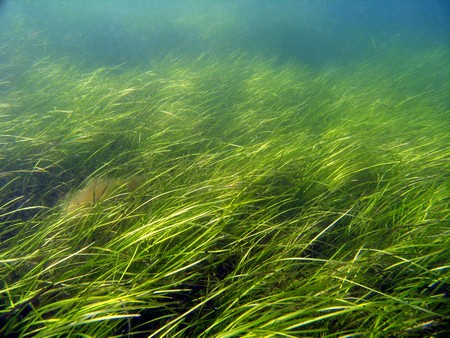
x: 272, y: 200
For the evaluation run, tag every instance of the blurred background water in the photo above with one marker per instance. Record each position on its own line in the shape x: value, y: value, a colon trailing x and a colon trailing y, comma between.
x: 317, y: 33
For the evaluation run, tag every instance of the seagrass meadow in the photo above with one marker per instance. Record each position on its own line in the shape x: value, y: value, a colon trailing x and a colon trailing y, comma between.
x: 224, y: 195
x: 272, y: 200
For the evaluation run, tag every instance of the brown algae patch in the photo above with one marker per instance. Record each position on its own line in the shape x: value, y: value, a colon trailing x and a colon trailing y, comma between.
x: 99, y: 190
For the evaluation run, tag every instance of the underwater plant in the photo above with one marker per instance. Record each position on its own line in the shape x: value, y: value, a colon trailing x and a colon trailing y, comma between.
x: 226, y: 197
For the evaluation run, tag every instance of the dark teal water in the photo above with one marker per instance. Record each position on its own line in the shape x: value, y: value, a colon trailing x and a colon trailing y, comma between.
x: 318, y: 33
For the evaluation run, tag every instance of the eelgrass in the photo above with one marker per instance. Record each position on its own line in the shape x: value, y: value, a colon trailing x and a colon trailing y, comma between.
x: 275, y: 201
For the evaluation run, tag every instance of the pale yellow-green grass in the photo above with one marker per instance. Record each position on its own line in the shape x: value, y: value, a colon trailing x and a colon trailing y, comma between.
x: 272, y: 199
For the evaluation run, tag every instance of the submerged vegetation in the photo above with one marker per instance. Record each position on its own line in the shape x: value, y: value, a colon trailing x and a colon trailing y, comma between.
x: 273, y: 200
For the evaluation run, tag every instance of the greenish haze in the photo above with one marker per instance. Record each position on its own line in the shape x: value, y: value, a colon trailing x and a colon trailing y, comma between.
x: 274, y: 200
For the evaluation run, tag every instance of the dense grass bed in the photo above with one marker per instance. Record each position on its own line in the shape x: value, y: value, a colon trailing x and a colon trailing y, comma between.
x: 245, y: 198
